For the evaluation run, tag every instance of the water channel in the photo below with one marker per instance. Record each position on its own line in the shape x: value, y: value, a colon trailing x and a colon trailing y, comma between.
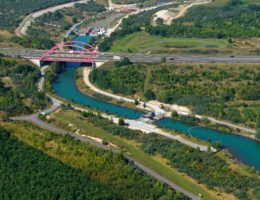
x: 242, y: 148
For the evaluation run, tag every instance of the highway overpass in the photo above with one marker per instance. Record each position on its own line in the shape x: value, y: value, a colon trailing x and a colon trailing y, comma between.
x: 138, y: 57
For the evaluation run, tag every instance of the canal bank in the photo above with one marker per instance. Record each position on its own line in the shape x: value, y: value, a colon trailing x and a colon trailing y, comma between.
x: 242, y: 148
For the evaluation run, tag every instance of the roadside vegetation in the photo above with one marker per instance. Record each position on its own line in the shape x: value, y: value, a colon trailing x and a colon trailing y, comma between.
x: 18, y: 90
x: 143, y: 42
x: 52, y: 26
x: 12, y: 12
x: 128, y: 1
x: 132, y: 24
x: 205, y: 167
x: 234, y: 22
x: 60, y: 167
x: 202, y: 87
x: 220, y: 19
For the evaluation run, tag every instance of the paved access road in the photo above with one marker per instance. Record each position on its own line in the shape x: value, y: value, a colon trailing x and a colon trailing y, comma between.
x: 50, y: 127
x: 139, y: 57
x: 23, y: 26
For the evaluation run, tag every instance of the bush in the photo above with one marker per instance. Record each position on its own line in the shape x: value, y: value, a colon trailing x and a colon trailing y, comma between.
x: 123, y: 62
x: 121, y: 122
x: 149, y: 94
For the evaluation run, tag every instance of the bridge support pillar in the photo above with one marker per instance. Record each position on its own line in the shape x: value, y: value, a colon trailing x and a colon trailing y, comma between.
x: 94, y: 65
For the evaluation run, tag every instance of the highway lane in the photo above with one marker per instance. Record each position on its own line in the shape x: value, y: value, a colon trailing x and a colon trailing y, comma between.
x: 138, y: 57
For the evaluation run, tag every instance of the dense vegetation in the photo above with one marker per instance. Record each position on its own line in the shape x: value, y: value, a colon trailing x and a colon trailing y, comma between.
x: 36, y: 40
x: 51, y: 75
x: 132, y: 24
x: 52, y: 26
x: 85, y: 172
x: 91, y: 6
x: 12, y: 12
x: 199, y: 86
x: 18, y: 89
x: 205, y: 167
x: 42, y: 177
x: 128, y: 1
x: 236, y: 18
x: 227, y: 19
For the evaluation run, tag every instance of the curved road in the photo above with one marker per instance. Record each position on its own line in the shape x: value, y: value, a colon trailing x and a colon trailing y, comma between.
x: 23, y: 26
x: 56, y: 104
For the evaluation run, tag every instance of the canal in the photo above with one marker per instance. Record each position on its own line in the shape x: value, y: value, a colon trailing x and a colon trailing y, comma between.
x: 242, y: 148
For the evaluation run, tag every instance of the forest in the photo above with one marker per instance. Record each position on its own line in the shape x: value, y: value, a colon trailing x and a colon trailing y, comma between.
x: 12, y: 12
x: 234, y: 19
x: 59, y: 167
x: 205, y: 167
x: 18, y: 89
x: 201, y: 87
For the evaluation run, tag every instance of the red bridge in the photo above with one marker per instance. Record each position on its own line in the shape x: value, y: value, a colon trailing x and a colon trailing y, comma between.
x: 71, y: 51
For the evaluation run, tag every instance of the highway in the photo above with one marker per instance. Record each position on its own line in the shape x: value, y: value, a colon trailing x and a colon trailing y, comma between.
x: 138, y: 57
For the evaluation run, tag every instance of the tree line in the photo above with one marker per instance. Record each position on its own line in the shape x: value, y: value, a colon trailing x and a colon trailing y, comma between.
x: 205, y: 167
x: 23, y: 95
x: 231, y: 20
x: 199, y: 87
x: 83, y: 171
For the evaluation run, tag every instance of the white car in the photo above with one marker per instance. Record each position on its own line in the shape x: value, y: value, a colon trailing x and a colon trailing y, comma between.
x: 116, y: 57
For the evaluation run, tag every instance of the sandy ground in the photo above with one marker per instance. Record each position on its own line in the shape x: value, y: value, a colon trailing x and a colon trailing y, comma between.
x: 22, y: 28
x: 115, y: 6
x: 169, y: 16
x: 164, y: 14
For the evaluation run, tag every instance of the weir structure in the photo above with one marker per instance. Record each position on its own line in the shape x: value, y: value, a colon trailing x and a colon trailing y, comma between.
x: 70, y: 51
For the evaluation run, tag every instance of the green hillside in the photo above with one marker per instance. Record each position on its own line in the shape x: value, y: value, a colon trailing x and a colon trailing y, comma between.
x: 12, y: 12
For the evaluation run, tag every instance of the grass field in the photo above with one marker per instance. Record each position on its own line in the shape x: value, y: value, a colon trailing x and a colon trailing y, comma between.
x: 142, y: 41
x: 64, y: 118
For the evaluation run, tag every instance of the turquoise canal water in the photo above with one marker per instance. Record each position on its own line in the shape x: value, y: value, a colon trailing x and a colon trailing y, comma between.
x: 65, y: 87
x: 244, y: 149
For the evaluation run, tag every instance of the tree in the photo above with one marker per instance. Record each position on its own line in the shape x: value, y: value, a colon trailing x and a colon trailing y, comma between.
x: 258, y: 133
x: 125, y: 61
x: 174, y: 114
x: 258, y: 120
x: 74, y: 20
x: 121, y: 122
x: 136, y: 102
x: 159, y: 21
x: 93, y: 40
x: 149, y: 94
x: 163, y: 59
